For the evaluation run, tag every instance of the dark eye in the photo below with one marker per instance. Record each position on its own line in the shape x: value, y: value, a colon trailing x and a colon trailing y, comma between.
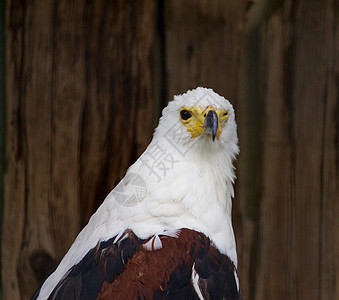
x: 185, y: 115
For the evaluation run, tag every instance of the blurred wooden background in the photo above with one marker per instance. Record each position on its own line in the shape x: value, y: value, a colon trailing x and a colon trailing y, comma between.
x: 85, y: 85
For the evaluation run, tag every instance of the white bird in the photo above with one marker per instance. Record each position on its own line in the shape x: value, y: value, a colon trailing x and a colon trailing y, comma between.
x: 165, y: 231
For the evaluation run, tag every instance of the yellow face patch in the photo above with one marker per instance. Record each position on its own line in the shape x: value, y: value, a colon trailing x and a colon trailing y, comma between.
x: 193, y: 118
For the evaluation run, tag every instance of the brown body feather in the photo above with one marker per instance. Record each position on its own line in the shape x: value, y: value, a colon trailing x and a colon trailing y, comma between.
x: 149, y: 271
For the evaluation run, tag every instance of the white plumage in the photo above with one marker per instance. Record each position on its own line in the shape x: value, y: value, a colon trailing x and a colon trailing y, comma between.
x: 178, y: 182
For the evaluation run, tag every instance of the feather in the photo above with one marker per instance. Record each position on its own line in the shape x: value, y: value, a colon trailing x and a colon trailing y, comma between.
x: 195, y: 283
x: 154, y: 243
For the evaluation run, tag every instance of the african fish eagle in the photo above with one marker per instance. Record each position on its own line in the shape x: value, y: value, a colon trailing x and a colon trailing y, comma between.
x: 165, y: 231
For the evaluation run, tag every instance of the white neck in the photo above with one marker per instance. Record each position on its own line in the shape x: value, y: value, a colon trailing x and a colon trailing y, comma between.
x: 195, y: 191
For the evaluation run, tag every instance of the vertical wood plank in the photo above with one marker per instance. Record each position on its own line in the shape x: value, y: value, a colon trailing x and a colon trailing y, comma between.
x: 14, y: 178
x: 204, y: 45
x: 120, y: 94
x: 275, y: 212
x: 329, y: 209
x: 313, y: 30
x: 329, y: 190
x: 300, y: 184
x: 67, y: 100
x: 29, y: 38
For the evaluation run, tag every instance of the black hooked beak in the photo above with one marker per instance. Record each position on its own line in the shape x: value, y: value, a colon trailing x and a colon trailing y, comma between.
x: 211, y: 123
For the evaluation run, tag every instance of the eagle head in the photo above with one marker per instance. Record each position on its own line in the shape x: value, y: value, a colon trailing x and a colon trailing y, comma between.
x: 200, y: 117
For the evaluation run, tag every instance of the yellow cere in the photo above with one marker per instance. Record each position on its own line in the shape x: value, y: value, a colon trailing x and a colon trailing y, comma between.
x: 193, y: 118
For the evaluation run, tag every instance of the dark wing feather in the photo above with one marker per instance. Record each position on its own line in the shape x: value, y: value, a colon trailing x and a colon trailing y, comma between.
x: 216, y: 276
x: 102, y: 263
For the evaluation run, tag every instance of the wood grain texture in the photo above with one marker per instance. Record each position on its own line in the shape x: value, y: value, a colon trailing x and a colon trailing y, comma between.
x: 276, y: 202
x: 297, y: 214
x: 26, y: 195
x: 81, y: 106
x: 315, y: 44
x: 120, y: 94
x: 204, y: 45
x: 79, y: 85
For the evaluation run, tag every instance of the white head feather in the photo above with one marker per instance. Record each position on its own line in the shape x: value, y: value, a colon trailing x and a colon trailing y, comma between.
x: 179, y: 181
